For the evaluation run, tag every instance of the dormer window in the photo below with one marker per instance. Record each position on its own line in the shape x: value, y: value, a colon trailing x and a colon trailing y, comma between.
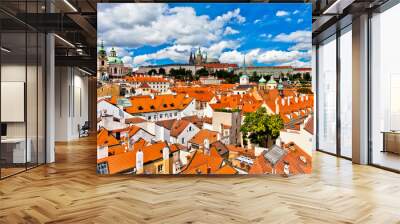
x: 140, y: 108
x: 152, y: 107
x: 164, y: 105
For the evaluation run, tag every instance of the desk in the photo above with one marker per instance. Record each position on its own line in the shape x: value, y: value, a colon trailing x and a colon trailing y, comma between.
x: 13, y: 150
x: 391, y: 141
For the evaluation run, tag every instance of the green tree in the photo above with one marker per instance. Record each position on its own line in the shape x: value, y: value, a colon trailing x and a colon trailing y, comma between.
x: 152, y: 71
x: 307, y: 77
x: 202, y: 72
x: 254, y: 77
x: 259, y: 126
x: 161, y: 71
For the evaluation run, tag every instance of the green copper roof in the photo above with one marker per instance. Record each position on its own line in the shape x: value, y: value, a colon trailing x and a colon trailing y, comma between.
x: 114, y: 60
x: 262, y: 80
x: 102, y: 51
x: 271, y: 80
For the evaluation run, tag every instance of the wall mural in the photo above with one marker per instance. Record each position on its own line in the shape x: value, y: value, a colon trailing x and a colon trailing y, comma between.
x: 205, y: 88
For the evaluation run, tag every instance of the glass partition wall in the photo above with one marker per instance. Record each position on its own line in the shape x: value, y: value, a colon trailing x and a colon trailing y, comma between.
x: 334, y: 94
x: 22, y: 76
x: 385, y: 89
x: 326, y: 104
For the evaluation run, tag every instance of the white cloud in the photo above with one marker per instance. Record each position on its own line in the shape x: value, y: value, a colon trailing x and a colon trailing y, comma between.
x: 296, y: 12
x: 275, y: 56
x: 127, y: 60
x: 180, y: 53
x: 300, y: 46
x: 230, y: 31
x: 264, y: 35
x: 177, y: 53
x: 281, y: 13
x: 137, y: 25
x: 288, y: 19
x: 298, y: 64
x: 238, y: 57
x: 257, y: 21
x: 216, y: 49
x: 294, y: 37
x: 300, y: 20
x: 267, y: 57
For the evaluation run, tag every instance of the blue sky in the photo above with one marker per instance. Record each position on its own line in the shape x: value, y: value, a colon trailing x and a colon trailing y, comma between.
x: 266, y: 34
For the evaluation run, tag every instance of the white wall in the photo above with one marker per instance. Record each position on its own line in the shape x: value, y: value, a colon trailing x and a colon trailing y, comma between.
x: 71, y: 102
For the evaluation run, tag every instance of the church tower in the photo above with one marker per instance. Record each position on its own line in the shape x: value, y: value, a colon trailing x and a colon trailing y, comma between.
x: 191, y: 58
x: 244, y: 79
x: 101, y: 62
x: 198, y: 58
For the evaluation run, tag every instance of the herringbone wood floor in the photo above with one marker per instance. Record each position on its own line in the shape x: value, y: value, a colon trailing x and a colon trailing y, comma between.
x: 70, y: 192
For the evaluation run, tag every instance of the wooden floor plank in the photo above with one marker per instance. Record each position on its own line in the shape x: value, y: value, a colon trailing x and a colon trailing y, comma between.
x: 69, y: 191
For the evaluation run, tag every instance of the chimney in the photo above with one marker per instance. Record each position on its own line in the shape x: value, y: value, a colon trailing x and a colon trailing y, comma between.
x: 162, y: 134
x: 206, y: 144
x: 296, y: 99
x: 283, y: 101
x: 139, y: 162
x: 165, y: 152
x: 288, y: 101
x: 302, y: 97
x: 277, y: 106
x: 286, y: 169
x: 218, y: 136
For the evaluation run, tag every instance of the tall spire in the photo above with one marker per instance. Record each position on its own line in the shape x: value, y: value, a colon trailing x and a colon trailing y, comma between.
x: 113, y: 53
x: 191, y: 60
x: 244, y: 64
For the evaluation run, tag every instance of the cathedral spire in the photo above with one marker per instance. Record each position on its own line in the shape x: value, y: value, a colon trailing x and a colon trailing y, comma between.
x: 244, y: 64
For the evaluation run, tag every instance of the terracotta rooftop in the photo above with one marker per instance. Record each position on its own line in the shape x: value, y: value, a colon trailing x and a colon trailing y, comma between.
x: 125, y: 161
x: 309, y: 125
x: 203, y: 164
x: 145, y: 104
x: 103, y: 137
x: 203, y: 134
x: 145, y: 79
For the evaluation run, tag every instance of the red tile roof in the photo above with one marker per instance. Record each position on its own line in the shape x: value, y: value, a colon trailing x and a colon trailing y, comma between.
x: 201, y: 163
x: 220, y: 65
x: 125, y: 161
x: 145, y: 79
x: 260, y: 166
x: 309, y: 125
x: 103, y: 137
x: 145, y: 104
x: 203, y: 134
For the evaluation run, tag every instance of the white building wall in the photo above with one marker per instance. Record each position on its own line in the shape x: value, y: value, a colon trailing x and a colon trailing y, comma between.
x: 302, y: 138
x: 141, y: 134
x: 187, y: 135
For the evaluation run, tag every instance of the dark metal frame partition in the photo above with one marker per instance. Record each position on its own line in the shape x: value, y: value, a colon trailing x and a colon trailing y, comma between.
x: 338, y: 33
x: 44, y: 77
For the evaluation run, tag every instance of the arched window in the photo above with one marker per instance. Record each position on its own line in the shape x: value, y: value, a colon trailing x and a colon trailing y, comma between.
x: 115, y: 70
x: 102, y: 63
